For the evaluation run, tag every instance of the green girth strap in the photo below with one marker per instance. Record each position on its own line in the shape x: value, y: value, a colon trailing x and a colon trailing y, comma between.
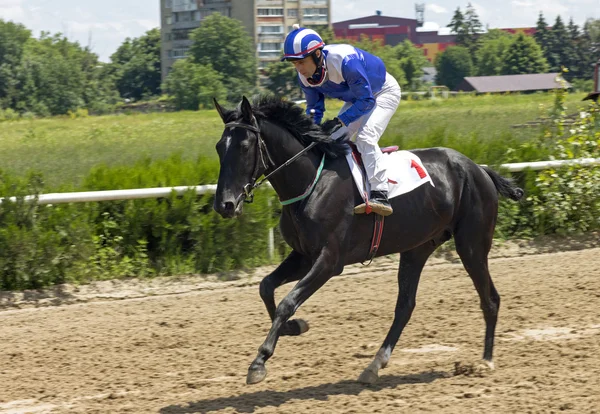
x: 310, y: 189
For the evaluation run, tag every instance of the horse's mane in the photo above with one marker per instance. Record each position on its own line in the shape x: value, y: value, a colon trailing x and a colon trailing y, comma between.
x: 291, y: 117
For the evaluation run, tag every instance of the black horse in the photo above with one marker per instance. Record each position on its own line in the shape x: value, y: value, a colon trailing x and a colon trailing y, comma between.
x: 326, y: 235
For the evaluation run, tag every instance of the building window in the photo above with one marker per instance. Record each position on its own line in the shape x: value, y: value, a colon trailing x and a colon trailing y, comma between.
x: 169, y: 20
x: 178, y: 53
x: 270, y: 50
x: 270, y: 12
x: 181, y: 34
x: 183, y: 4
x: 314, y: 12
x: 270, y: 29
x: 269, y: 47
x: 292, y: 12
x: 168, y: 4
x: 183, y: 16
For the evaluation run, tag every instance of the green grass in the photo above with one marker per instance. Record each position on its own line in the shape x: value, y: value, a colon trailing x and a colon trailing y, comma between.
x: 64, y: 150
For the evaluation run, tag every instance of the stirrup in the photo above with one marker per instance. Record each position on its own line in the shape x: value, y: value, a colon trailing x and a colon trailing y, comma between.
x: 373, y: 207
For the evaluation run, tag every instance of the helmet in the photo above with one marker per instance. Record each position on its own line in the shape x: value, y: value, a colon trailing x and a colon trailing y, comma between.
x: 301, y: 43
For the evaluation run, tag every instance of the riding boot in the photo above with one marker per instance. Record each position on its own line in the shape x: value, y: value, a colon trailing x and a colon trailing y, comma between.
x: 378, y: 203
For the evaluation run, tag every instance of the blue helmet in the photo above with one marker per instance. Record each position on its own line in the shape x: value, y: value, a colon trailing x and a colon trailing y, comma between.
x: 300, y: 43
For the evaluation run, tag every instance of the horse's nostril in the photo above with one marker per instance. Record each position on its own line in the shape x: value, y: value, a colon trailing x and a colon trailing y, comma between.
x: 228, y: 206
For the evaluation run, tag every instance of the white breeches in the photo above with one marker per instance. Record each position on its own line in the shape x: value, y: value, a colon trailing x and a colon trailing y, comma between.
x: 369, y: 128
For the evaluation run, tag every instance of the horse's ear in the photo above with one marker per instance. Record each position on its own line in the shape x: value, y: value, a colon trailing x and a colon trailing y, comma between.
x: 220, y: 110
x: 247, y: 110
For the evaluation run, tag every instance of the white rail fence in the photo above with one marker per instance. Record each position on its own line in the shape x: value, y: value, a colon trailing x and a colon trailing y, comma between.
x: 142, y: 193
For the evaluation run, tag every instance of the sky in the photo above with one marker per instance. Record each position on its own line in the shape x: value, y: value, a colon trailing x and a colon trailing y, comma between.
x: 105, y: 24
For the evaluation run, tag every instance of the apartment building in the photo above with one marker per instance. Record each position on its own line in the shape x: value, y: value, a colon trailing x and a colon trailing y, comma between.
x: 267, y: 22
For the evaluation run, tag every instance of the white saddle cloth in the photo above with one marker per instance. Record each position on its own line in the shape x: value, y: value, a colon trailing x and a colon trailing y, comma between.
x: 404, y: 169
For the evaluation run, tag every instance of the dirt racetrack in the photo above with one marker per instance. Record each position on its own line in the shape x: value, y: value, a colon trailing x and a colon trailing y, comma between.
x: 184, y: 347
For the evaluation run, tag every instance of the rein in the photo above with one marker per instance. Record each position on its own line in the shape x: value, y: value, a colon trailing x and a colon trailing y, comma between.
x: 248, y: 194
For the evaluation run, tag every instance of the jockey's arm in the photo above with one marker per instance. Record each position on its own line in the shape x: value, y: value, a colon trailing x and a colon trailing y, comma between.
x: 314, y: 100
x: 355, y: 76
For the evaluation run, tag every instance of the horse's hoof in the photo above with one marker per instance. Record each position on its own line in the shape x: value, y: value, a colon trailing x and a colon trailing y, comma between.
x: 256, y: 374
x: 368, y: 377
x: 488, y: 364
x: 295, y: 327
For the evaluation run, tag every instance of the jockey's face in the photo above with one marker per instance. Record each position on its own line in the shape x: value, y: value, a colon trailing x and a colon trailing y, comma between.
x: 306, y: 67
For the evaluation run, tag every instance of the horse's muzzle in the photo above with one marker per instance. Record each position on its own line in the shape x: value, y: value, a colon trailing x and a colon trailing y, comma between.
x: 228, y: 208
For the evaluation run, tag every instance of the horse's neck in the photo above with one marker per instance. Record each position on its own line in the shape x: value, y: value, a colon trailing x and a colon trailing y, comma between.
x: 294, y: 179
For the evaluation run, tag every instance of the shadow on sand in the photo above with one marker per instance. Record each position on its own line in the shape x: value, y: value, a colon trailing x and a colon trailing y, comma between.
x: 249, y: 402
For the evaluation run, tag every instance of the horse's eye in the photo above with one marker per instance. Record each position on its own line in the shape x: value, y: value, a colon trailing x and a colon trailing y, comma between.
x: 245, y: 145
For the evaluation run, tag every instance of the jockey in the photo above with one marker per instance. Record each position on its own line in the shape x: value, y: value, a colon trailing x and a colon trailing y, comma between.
x: 371, y: 97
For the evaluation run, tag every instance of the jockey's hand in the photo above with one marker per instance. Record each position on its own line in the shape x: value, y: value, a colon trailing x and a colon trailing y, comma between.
x: 329, y: 127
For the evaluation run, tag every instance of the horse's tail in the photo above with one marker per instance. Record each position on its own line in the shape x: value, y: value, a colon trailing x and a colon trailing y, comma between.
x: 505, y: 186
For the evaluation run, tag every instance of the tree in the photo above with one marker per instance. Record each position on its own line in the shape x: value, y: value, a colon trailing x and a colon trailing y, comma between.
x: 573, y: 58
x: 282, y: 79
x: 136, y: 66
x: 453, y: 65
x: 13, y: 38
x: 55, y: 76
x: 542, y: 34
x: 524, y: 56
x: 467, y: 28
x: 51, y: 75
x: 224, y: 44
x: 324, y: 31
x: 559, y: 42
x: 473, y: 29
x: 385, y: 52
x: 457, y: 24
x: 589, y: 47
x: 490, y: 55
x: 412, y: 61
x: 592, y: 30
x: 193, y: 86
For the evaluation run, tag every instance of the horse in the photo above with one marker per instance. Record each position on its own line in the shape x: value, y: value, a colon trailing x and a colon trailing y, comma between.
x: 274, y: 138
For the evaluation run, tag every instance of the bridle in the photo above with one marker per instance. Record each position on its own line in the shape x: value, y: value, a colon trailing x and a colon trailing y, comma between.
x: 262, y: 154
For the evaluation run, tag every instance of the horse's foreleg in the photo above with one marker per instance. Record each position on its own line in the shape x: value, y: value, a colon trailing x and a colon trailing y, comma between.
x: 293, y: 268
x: 321, y: 271
x: 409, y: 274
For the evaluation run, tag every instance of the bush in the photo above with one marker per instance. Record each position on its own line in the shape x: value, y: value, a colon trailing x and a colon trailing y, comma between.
x: 47, y: 245
x: 560, y: 200
x: 8, y: 115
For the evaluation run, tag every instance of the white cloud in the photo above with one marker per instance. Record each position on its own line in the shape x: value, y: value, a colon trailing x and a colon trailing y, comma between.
x: 436, y: 8
x: 118, y: 27
x: 10, y: 3
x: 12, y: 10
x: 147, y: 24
x: 529, y: 7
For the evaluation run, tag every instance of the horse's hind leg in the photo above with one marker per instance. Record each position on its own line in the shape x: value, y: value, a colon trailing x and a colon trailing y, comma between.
x: 409, y: 274
x: 473, y: 242
x: 293, y: 268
